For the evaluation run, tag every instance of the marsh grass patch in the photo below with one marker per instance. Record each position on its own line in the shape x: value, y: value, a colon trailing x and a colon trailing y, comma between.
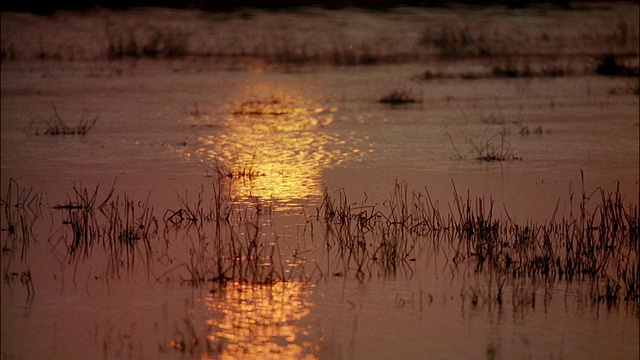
x: 21, y: 209
x: 512, y: 67
x: 232, y: 242
x: 55, y: 125
x: 265, y: 107
x: 146, y: 42
x: 612, y: 65
x: 494, y: 151
x: 598, y: 244
x: 495, y: 148
x: 508, y: 67
x: 400, y: 97
x: 457, y: 42
x: 8, y: 50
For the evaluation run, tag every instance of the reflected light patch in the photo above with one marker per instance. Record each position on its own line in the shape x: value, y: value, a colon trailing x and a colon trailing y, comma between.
x: 261, y: 322
x: 276, y: 148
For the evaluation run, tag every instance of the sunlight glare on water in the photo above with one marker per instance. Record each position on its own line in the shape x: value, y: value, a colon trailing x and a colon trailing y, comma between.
x: 279, y: 148
x: 260, y: 322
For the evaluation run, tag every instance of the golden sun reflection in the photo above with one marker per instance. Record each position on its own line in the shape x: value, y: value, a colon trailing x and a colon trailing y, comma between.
x: 261, y: 322
x: 276, y: 148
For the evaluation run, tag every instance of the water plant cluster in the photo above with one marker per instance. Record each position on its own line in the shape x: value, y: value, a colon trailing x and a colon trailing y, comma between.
x: 55, y: 125
x: 214, y: 240
x: 399, y: 97
x: 598, y: 243
x: 121, y: 226
x: 146, y: 42
x: 227, y: 240
x: 21, y: 209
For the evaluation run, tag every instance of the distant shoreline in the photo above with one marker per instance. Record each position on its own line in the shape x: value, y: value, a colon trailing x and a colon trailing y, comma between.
x: 48, y: 7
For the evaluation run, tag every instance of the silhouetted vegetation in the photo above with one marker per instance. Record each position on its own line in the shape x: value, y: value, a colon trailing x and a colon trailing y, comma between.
x: 399, y: 97
x: 55, y: 125
x: 609, y: 65
x: 47, y: 7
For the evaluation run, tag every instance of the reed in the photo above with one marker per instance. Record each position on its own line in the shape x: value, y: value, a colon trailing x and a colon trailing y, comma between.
x: 21, y: 207
x: 493, y: 151
x: 226, y: 241
x: 457, y: 42
x: 598, y: 243
x: 611, y: 65
x: 399, y: 97
x: 146, y: 42
x: 130, y: 227
x: 121, y: 226
x: 55, y: 125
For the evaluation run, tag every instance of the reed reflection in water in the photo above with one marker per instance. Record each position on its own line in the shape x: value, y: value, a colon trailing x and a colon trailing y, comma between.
x: 260, y: 321
x: 278, y: 147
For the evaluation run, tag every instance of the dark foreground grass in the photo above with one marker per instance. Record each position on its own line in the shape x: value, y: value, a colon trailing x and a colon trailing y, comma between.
x: 21, y: 208
x: 598, y: 244
x: 210, y: 239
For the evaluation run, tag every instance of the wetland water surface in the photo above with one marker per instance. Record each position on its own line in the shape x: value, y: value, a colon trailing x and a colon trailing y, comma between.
x: 249, y: 196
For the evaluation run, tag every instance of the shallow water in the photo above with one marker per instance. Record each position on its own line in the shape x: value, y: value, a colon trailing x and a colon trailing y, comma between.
x: 168, y: 128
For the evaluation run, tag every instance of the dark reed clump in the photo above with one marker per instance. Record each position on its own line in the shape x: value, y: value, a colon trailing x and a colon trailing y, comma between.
x: 245, y: 171
x: 610, y: 65
x: 371, y: 241
x: 399, y: 97
x: 496, y: 152
x: 458, y: 42
x: 220, y: 240
x: 228, y: 243
x: 55, y: 125
x: 513, y: 67
x: 146, y: 42
x: 226, y: 240
x: 21, y: 208
x: 130, y: 227
x: 598, y: 244
x: 268, y: 107
x: 122, y: 227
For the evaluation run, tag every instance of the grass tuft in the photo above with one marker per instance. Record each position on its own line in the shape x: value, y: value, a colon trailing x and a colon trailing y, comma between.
x: 225, y: 241
x: 599, y: 244
x: 610, y: 65
x: 457, y: 42
x: 55, y: 125
x: 147, y: 42
x: 399, y: 97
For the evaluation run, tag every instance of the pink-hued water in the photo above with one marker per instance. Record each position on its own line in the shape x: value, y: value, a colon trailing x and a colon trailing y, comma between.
x: 165, y: 126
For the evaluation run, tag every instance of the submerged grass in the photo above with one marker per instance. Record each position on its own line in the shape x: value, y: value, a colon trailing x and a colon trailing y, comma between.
x: 517, y: 68
x: 599, y: 244
x: 491, y: 152
x: 399, y: 97
x: 146, y: 42
x: 212, y: 239
x: 457, y: 42
x: 21, y: 209
x: 611, y: 65
x: 55, y: 125
x: 122, y: 227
